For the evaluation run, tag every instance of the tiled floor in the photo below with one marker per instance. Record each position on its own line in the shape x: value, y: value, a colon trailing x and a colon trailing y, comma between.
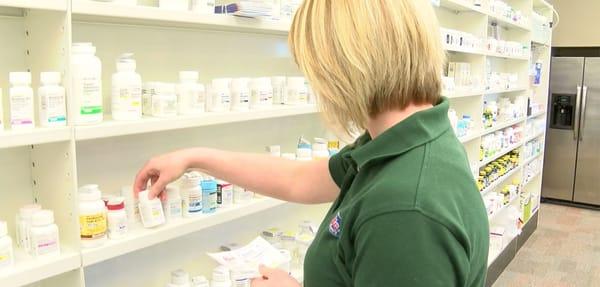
x: 563, y: 252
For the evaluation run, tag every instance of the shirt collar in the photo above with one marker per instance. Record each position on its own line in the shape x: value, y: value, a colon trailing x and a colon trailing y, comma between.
x: 418, y: 129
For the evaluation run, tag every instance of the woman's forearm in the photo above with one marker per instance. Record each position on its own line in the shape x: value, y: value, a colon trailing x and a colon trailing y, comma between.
x: 296, y: 181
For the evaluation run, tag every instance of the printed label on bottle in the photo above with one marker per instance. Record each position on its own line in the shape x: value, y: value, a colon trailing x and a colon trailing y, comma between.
x: 45, y: 244
x: 92, y: 226
x: 127, y: 99
x: 53, y: 108
x: 21, y: 109
x: 210, y: 202
x: 5, y: 258
x: 174, y: 208
x: 244, y: 97
x: 91, y: 99
x: 194, y: 204
x: 117, y: 227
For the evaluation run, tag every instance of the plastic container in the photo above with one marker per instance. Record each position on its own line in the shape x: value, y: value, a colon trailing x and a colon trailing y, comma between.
x: 191, y: 96
x: 117, y: 218
x: 241, y: 195
x: 45, y: 239
x: 22, y: 115
x: 279, y: 89
x: 126, y: 90
x: 86, y: 74
x: 262, y: 93
x: 224, y: 194
x: 296, y: 92
x: 209, y: 195
x: 221, y: 277
x: 131, y: 206
x: 92, y: 216
x: 191, y: 193
x: 23, y: 225
x: 151, y: 210
x: 159, y: 100
x: 240, y: 94
x: 200, y: 281
x: 172, y: 205
x: 52, y: 100
x: 221, y: 95
x: 6, y: 248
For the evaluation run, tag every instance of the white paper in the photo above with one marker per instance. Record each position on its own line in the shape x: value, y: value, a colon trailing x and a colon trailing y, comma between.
x: 247, y: 258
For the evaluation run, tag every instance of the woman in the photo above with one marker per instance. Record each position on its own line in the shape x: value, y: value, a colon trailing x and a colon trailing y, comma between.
x: 406, y: 211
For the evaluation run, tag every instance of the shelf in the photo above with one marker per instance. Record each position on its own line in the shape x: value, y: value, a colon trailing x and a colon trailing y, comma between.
x: 54, y: 5
x: 501, y: 126
x: 532, y: 178
x: 35, y: 136
x: 460, y: 6
x: 463, y: 94
x: 535, y: 115
x: 494, y: 215
x: 539, y: 43
x: 99, y: 12
x: 464, y: 51
x: 499, y: 154
x: 500, y: 91
x: 29, y: 270
x: 500, y: 180
x: 141, y: 238
x: 535, y: 135
x: 469, y: 137
x: 507, y: 22
x: 111, y: 128
x: 493, y: 256
x: 498, y: 55
x: 530, y: 159
x: 541, y: 4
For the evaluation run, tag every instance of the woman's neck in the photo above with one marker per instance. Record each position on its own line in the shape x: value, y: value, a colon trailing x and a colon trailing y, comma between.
x: 385, y: 120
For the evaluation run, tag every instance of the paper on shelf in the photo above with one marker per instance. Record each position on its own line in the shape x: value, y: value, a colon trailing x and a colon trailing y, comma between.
x: 247, y: 258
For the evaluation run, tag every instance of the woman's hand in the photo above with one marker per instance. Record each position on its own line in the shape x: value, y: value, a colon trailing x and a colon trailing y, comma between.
x: 274, y: 278
x: 161, y: 170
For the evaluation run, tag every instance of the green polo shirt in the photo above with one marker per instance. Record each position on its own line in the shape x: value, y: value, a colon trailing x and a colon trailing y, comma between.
x: 409, y: 212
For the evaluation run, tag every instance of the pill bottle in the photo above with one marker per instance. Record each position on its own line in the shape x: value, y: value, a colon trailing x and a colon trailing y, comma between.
x: 239, y: 278
x: 92, y: 216
x: 205, y: 7
x: 86, y: 72
x: 274, y: 150
x: 241, y: 195
x: 159, y: 100
x: 296, y: 92
x: 191, y: 96
x: 179, y: 278
x: 131, y: 206
x: 6, y: 248
x: 44, y: 234
x: 23, y: 225
x: 117, y: 218
x: 221, y: 277
x: 288, y: 242
x: 224, y: 194
x: 200, y: 281
x: 279, y: 89
x: 172, y: 204
x: 126, y: 90
x: 209, y: 195
x: 191, y: 192
x: 319, y: 149
x: 21, y: 101
x: 240, y: 94
x: 151, y: 210
x: 286, y: 265
x: 262, y: 93
x: 52, y: 100
x: 221, y: 95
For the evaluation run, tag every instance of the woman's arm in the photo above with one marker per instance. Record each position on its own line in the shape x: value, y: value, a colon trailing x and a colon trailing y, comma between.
x: 302, y: 182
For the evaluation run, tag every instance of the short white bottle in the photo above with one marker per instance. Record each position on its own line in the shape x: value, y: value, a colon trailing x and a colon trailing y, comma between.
x: 117, y: 218
x: 23, y: 225
x: 172, y: 205
x: 221, y: 95
x: 151, y: 210
x: 179, y: 278
x: 21, y: 101
x: 87, y: 84
x: 191, y: 193
x: 45, y: 239
x: 262, y: 93
x: 221, y: 277
x: 240, y: 94
x: 126, y: 90
x: 92, y: 216
x: 296, y: 91
x: 279, y: 89
x: 191, y: 96
x: 131, y: 206
x: 52, y: 100
x: 6, y: 248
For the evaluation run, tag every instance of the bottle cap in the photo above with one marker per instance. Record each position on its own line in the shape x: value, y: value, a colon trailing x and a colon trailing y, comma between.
x: 126, y: 62
x: 3, y: 229
x: 116, y: 203
x: 83, y: 48
x: 189, y: 76
x: 19, y: 78
x: 28, y: 210
x: 42, y: 217
x: 180, y: 277
x: 48, y: 78
x: 90, y: 192
x: 208, y: 184
x: 191, y: 178
x: 143, y: 195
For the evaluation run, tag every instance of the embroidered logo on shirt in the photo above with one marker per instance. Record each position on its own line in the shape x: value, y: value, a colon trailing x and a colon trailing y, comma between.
x: 335, y: 225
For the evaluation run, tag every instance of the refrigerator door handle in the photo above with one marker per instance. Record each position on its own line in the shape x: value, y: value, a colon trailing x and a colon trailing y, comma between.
x: 583, y: 108
x: 576, y: 125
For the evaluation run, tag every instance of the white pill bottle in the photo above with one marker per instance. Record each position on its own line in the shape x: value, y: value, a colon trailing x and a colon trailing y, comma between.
x: 87, y: 84
x: 92, y: 216
x: 126, y: 90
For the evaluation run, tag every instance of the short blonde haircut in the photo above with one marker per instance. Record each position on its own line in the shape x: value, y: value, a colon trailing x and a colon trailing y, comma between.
x: 364, y: 57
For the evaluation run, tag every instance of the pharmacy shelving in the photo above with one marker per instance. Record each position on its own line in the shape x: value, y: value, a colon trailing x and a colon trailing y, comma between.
x: 35, y: 136
x: 510, y: 90
x: 494, y: 215
x: 532, y: 178
x: 498, y: 55
x: 141, y: 238
x: 111, y: 128
x: 469, y: 137
x: 531, y: 158
x: 507, y: 22
x: 500, y: 153
x: 502, y: 125
x: 473, y: 93
x: 468, y: 6
x: 55, y: 5
x: 501, y: 180
x: 29, y: 270
x: 534, y: 136
x: 536, y: 114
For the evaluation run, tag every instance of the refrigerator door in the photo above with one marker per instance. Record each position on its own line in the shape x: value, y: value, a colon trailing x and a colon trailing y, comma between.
x: 588, y: 155
x: 566, y: 78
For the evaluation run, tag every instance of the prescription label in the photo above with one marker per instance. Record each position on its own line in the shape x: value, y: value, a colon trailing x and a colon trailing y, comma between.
x: 92, y: 226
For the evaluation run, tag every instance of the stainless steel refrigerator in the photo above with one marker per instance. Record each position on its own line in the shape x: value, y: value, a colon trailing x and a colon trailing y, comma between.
x: 572, y: 158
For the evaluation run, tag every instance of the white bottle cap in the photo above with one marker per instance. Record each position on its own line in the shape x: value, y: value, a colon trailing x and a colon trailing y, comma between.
x: 189, y: 76
x: 3, y: 229
x: 83, y: 48
x: 180, y: 277
x: 221, y: 83
x: 90, y: 192
x: 126, y: 62
x: 28, y: 210
x: 42, y: 217
x: 48, y: 78
x: 143, y: 195
x: 115, y: 201
x: 19, y: 78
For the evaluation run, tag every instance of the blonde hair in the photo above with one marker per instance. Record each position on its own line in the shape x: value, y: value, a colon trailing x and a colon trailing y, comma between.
x: 364, y: 57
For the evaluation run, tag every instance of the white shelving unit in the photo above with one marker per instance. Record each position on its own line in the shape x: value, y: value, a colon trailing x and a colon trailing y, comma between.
x: 47, y: 165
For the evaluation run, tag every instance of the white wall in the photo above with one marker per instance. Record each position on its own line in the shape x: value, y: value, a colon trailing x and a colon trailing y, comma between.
x: 579, y: 20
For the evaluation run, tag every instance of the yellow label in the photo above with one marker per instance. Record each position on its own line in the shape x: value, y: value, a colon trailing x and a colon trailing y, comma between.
x: 92, y: 225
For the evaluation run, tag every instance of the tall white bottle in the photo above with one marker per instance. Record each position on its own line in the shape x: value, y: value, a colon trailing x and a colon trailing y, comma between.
x: 87, y: 84
x: 191, y: 96
x: 52, y: 100
x: 21, y: 101
x: 126, y: 90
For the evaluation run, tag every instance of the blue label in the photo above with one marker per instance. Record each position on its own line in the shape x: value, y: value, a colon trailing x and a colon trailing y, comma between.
x: 57, y: 119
